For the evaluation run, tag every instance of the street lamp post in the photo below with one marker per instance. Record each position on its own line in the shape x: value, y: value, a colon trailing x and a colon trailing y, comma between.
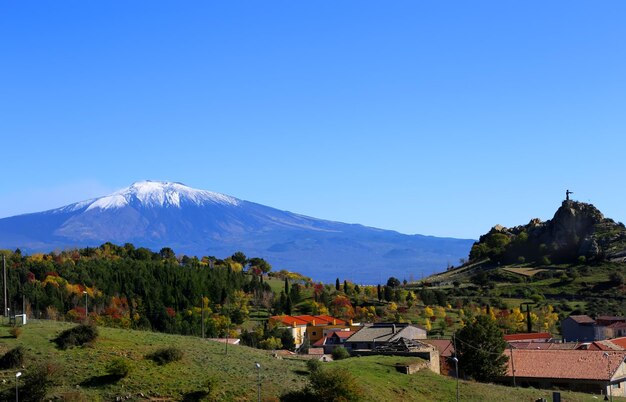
x: 608, y: 371
x: 456, y: 370
x: 17, y: 375
x: 86, y: 310
x: 258, y: 369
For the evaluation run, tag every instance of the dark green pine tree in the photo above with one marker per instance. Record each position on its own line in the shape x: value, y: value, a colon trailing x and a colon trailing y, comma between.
x: 479, y: 348
x: 379, y: 293
x: 345, y: 286
x: 288, y: 306
x: 337, y: 286
x: 286, y: 286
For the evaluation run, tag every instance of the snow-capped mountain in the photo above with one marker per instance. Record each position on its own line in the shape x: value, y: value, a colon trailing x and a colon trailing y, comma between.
x: 198, y: 222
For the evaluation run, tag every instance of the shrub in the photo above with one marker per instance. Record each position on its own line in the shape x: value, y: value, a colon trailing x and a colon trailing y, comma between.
x: 313, y: 365
x: 15, y: 332
x: 77, y: 336
x: 119, y: 368
x: 271, y: 343
x: 166, y: 355
x: 36, y: 382
x: 12, y: 359
x: 340, y: 353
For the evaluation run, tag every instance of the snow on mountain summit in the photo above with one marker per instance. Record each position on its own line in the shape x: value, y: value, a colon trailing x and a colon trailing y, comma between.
x: 160, y: 194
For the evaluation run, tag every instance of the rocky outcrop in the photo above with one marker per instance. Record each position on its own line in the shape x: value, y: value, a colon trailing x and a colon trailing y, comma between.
x: 577, y: 230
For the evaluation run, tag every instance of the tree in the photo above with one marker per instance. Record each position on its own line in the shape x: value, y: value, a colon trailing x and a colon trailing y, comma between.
x: 260, y: 264
x: 240, y: 258
x: 480, y: 346
x: 393, y: 282
x: 337, y: 286
x: 379, y: 293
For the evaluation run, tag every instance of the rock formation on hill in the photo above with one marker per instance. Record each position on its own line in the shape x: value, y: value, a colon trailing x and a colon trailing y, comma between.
x: 577, y: 232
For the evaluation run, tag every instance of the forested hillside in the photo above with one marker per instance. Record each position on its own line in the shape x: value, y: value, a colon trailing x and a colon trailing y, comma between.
x: 132, y: 287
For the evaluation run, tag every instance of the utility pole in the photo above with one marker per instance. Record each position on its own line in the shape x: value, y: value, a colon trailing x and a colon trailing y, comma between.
x: 456, y: 366
x: 512, y: 364
x: 202, y: 313
x: 4, y: 266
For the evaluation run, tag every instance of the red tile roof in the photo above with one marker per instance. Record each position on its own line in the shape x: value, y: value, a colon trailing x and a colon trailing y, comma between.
x: 565, y: 364
x: 288, y: 320
x: 331, y: 320
x: 546, y: 345
x: 444, y: 346
x: 527, y: 337
x: 344, y: 334
x: 621, y: 342
x: 609, y: 344
x: 320, y: 342
x: 582, y: 319
x: 317, y: 320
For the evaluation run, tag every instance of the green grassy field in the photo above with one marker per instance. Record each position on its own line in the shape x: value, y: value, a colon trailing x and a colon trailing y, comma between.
x: 81, y: 371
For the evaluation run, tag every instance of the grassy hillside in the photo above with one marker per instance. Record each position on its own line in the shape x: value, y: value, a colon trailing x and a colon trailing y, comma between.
x: 81, y: 371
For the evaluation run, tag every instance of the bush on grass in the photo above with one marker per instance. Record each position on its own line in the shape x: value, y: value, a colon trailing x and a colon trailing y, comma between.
x: 12, y: 359
x: 119, y: 368
x: 165, y: 355
x: 77, y: 336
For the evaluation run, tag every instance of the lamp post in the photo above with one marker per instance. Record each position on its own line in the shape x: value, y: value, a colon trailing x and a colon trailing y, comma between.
x: 456, y: 370
x: 86, y: 310
x: 17, y: 375
x: 608, y: 371
x: 258, y: 369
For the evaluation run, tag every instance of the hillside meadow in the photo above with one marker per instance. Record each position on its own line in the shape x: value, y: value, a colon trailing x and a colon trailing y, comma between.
x: 81, y: 371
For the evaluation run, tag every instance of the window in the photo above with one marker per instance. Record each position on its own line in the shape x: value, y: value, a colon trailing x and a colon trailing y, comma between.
x: 314, y: 333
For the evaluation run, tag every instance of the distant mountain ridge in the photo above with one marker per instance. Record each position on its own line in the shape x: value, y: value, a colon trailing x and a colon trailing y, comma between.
x: 198, y: 222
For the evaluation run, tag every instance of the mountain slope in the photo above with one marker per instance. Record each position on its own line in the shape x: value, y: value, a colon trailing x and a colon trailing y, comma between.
x: 198, y: 222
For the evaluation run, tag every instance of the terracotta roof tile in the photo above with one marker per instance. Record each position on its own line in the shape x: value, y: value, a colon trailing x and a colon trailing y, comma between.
x: 527, y: 337
x: 320, y: 342
x: 566, y: 364
x: 546, y: 345
x: 582, y: 319
x: 288, y: 320
x: 444, y: 346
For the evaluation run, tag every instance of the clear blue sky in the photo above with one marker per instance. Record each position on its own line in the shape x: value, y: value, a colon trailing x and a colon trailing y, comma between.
x: 438, y: 118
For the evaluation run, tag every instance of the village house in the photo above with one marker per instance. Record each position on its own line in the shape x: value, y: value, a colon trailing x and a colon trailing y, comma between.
x: 310, y: 327
x: 332, y: 339
x: 576, y: 370
x: 583, y: 328
x: 580, y: 328
x: 446, y: 352
x: 379, y: 334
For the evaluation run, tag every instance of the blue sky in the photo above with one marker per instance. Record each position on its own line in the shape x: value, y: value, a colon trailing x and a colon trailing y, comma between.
x: 438, y: 118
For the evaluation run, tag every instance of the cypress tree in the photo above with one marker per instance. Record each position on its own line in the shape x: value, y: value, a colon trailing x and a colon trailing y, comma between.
x: 337, y: 287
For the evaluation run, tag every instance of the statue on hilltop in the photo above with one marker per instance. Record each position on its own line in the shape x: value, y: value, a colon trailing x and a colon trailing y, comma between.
x: 567, y: 193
